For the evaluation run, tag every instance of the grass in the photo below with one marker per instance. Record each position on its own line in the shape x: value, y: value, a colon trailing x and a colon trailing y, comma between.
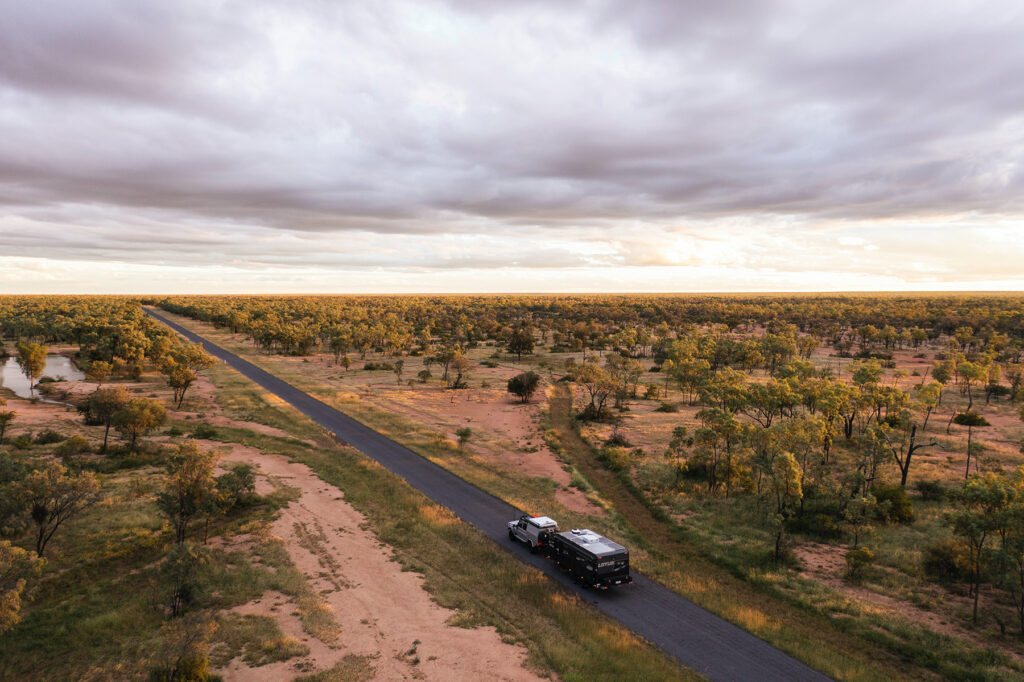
x: 351, y: 668
x: 257, y: 640
x: 96, y: 612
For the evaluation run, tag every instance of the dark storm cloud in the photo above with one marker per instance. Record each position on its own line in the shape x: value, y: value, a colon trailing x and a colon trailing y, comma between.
x: 491, y: 118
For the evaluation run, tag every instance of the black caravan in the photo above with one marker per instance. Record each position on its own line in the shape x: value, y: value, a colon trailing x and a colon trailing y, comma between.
x: 592, y: 559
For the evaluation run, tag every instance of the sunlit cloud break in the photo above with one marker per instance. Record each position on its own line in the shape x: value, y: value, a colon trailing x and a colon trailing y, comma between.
x: 454, y: 146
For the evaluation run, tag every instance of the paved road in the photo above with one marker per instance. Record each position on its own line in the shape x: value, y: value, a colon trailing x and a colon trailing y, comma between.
x: 695, y: 637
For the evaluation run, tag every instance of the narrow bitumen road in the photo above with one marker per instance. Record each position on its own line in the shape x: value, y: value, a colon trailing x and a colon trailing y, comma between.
x: 697, y: 638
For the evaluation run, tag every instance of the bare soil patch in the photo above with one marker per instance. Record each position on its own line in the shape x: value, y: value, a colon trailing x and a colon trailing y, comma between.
x: 383, y: 611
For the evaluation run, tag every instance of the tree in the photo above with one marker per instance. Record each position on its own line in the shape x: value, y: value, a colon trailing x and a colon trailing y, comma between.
x: 101, y: 406
x: 971, y: 373
x: 460, y: 366
x: 900, y: 438
x: 929, y: 395
x: 181, y: 576
x: 943, y: 373
x: 340, y: 346
x: 464, y: 434
x: 6, y: 417
x: 188, y: 486
x: 524, y: 385
x: 521, y: 341
x: 32, y: 360
x: 981, y: 505
x: 98, y: 371
x: 716, y: 442
x: 1011, y: 554
x: 598, y: 385
x: 858, y: 515
x: 16, y: 568
x: 626, y: 373
x: 676, y: 451
x: 137, y: 418
x: 181, y: 366
x: 784, y: 491
x: 51, y: 496
x: 237, y: 485
x: 398, y: 368
x: 971, y: 420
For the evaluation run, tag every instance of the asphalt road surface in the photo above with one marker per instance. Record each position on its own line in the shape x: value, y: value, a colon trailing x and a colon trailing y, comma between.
x: 697, y: 638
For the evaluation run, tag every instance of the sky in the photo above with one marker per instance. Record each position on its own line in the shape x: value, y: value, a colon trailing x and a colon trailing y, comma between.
x: 446, y: 145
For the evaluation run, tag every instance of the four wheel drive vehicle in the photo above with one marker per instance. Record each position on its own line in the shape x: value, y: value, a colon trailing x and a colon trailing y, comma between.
x: 534, y: 531
x: 593, y: 560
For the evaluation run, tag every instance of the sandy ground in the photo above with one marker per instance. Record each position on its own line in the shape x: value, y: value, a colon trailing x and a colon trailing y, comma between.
x: 382, y: 610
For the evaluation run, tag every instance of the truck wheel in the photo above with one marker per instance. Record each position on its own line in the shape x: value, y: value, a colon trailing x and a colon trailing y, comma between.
x: 512, y: 536
x: 533, y: 549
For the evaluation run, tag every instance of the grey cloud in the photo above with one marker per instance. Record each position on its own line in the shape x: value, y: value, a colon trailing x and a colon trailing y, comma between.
x: 462, y: 118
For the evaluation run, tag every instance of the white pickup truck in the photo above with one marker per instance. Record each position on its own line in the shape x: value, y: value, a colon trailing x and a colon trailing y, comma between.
x: 533, y: 531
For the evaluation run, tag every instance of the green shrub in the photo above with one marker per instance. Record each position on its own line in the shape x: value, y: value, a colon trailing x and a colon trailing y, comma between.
x: 617, y: 439
x: 73, y: 446
x: 666, y: 407
x: 821, y: 526
x: 932, y: 491
x: 47, y: 437
x: 174, y: 431
x: 946, y: 560
x: 893, y: 504
x: 614, y: 458
x: 22, y: 442
x: 378, y: 367
x: 204, y: 432
x: 857, y: 560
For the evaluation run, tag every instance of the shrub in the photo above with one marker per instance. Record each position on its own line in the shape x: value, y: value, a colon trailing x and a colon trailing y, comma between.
x: 524, y: 385
x: 46, y: 380
x: 652, y: 392
x: 822, y: 526
x: 893, y: 504
x: 75, y: 445
x: 204, y: 432
x: 424, y: 375
x: 946, y: 560
x: 379, y: 366
x: 618, y: 440
x: 857, y: 560
x: 932, y: 491
x: 47, y: 437
x: 174, y: 431
x: 489, y: 363
x: 22, y: 442
x: 237, y: 487
x: 666, y: 407
x: 614, y: 458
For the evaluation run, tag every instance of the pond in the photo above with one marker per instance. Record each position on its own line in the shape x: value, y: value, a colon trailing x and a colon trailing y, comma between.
x: 57, y: 367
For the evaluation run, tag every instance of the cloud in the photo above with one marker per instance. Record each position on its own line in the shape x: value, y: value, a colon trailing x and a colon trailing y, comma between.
x: 479, y: 134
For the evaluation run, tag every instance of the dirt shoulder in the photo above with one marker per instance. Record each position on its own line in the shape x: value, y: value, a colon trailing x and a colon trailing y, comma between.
x: 383, y: 612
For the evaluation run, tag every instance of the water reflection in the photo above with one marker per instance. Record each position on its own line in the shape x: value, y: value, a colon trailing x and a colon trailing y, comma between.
x: 57, y: 366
